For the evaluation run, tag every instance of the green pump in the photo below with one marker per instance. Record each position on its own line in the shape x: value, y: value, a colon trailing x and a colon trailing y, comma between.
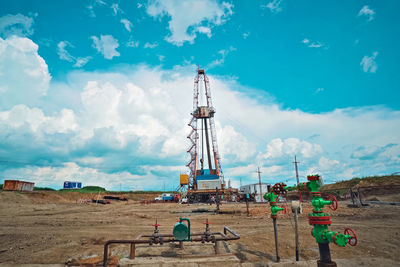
x: 181, y: 231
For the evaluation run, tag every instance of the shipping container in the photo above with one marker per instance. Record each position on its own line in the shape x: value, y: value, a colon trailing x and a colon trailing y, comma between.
x: 16, y: 185
x: 72, y: 185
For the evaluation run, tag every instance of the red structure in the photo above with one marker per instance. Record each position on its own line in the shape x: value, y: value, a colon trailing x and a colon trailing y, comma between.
x: 16, y: 185
x: 203, y: 128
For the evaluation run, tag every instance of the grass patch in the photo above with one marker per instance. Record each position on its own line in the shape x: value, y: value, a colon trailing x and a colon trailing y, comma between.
x: 364, y: 182
x: 85, y: 189
x: 37, y: 188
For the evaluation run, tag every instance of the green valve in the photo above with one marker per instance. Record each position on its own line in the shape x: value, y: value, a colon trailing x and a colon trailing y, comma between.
x: 181, y: 231
x: 321, y: 220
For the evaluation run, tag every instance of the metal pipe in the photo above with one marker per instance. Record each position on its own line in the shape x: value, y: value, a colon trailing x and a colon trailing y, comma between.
x: 276, y: 240
x: 208, y: 145
x: 352, y: 196
x: 296, y: 235
x: 132, y: 253
x: 138, y: 240
x: 247, y: 206
x: 324, y: 253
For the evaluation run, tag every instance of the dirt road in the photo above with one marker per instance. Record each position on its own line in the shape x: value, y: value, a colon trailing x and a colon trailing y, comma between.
x: 39, y: 228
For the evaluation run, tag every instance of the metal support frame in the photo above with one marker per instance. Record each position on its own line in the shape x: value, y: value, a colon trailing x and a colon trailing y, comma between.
x: 168, y: 238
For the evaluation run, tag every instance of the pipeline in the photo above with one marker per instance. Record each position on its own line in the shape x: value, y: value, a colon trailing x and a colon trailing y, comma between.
x: 157, y: 238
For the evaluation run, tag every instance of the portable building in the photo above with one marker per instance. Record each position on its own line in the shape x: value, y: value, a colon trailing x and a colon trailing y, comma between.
x: 72, y: 185
x: 16, y: 185
x: 254, y: 189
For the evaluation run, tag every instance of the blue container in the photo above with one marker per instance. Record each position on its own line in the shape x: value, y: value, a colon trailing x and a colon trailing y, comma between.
x: 207, y: 177
x: 72, y: 185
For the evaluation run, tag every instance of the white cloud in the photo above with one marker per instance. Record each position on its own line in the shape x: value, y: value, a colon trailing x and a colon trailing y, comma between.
x: 65, y: 55
x: 161, y: 57
x: 274, y: 6
x: 368, y: 64
x: 92, y: 5
x: 232, y: 143
x: 367, y: 12
x: 319, y: 90
x: 16, y: 25
x: 245, y: 35
x: 278, y: 148
x: 187, y: 18
x: 81, y: 61
x: 35, y: 119
x: 316, y: 45
x: 24, y: 75
x: 310, y: 44
x: 223, y: 54
x: 132, y: 43
x: 150, y: 45
x: 116, y: 9
x: 305, y: 41
x: 131, y: 118
x: 127, y: 24
x: 106, y: 45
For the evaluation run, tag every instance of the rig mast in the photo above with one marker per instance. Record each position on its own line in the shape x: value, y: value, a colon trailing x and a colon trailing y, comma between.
x: 203, y: 116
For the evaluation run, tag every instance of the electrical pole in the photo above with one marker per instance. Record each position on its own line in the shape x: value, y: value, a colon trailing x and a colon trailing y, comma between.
x: 259, y: 181
x: 297, y: 175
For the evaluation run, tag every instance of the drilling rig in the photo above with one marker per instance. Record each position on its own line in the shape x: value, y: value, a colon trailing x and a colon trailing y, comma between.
x: 206, y: 180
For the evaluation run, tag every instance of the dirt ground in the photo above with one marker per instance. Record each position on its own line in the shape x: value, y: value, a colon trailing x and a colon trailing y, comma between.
x: 52, y: 228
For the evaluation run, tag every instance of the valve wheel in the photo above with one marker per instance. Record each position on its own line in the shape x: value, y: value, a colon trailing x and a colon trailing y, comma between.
x: 278, y: 188
x: 353, y: 238
x: 334, y: 204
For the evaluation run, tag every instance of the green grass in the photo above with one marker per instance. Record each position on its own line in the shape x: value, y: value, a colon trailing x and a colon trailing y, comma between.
x: 36, y: 188
x: 85, y: 189
x: 364, y: 181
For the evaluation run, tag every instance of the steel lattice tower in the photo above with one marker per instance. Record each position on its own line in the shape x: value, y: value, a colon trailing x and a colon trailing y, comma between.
x: 205, y: 116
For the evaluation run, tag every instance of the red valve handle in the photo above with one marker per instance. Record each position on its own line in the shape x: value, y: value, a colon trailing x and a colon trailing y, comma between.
x: 278, y: 188
x: 156, y: 224
x: 334, y: 204
x: 353, y: 238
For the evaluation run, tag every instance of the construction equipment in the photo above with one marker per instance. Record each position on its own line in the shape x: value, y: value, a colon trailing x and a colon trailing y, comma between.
x: 181, y: 233
x: 203, y: 181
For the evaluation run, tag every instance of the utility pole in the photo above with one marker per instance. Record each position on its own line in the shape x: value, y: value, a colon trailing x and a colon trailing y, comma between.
x: 240, y: 181
x: 259, y: 181
x: 297, y: 175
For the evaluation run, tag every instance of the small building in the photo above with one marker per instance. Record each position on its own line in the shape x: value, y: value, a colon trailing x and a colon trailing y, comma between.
x: 16, y: 185
x: 72, y: 185
x: 254, y: 189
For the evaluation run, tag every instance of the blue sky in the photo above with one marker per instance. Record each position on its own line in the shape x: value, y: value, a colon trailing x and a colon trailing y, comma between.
x: 100, y: 91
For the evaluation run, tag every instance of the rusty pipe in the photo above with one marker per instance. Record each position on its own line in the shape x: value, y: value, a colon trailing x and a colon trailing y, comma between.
x: 138, y: 240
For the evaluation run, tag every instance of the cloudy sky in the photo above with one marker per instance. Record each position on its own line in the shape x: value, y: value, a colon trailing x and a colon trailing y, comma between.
x: 100, y: 91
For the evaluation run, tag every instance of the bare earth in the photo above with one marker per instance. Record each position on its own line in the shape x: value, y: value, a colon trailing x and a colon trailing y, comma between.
x: 51, y: 228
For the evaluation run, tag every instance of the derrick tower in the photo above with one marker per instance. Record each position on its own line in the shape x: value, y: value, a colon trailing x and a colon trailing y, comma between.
x: 203, y: 137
